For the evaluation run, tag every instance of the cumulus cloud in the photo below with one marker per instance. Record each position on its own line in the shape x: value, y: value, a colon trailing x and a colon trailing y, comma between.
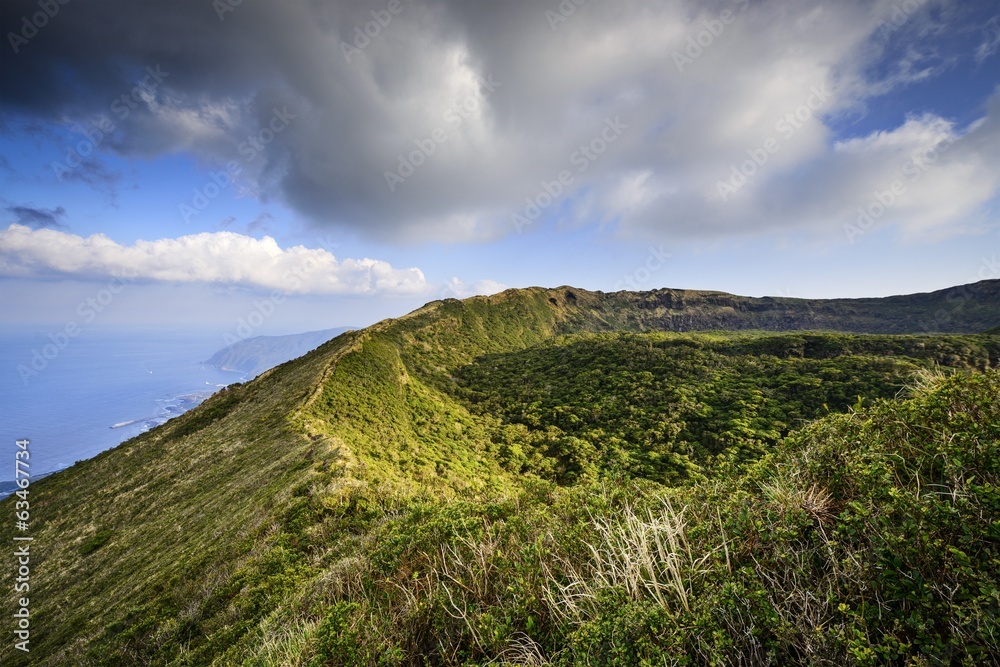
x: 455, y: 116
x: 215, y: 258
x: 934, y: 176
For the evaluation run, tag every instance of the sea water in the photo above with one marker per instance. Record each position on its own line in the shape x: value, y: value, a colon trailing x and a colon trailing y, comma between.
x: 100, y: 389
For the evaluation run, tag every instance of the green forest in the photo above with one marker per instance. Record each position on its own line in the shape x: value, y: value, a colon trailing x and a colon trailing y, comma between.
x: 666, y: 406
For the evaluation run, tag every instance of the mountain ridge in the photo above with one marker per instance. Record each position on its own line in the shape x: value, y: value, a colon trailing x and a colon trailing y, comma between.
x: 223, y: 512
x: 969, y: 308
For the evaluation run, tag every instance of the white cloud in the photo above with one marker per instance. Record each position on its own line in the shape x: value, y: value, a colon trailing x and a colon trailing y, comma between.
x: 689, y: 123
x: 991, y: 41
x: 220, y: 257
x: 459, y: 290
x: 937, y: 176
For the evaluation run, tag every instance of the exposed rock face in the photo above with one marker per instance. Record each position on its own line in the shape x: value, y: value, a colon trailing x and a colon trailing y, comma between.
x: 964, y: 309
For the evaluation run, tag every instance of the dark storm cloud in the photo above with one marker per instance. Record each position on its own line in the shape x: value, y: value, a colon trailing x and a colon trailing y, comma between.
x: 39, y: 218
x: 89, y: 53
x: 444, y: 119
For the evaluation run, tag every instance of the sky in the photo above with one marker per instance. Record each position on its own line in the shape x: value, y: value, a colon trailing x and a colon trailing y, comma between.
x: 273, y: 166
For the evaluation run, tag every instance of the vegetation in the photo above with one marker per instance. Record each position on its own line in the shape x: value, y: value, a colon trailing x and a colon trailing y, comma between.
x: 664, y: 406
x: 866, y: 538
x: 535, y: 478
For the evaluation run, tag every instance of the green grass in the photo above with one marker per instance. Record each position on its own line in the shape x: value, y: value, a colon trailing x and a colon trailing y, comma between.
x: 530, y: 479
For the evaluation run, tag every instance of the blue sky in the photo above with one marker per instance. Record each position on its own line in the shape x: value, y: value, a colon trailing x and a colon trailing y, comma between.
x: 217, y: 155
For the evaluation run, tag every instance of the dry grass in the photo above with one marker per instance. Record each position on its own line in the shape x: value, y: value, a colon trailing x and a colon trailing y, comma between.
x: 788, y: 495
x: 522, y: 651
x: 646, y: 555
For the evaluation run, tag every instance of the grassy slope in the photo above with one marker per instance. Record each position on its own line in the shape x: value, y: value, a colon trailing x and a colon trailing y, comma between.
x: 182, y: 497
x: 866, y: 538
x: 187, y: 540
x: 214, y: 491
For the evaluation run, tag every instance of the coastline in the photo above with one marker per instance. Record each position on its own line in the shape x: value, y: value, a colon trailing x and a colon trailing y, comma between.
x: 174, y: 407
x: 74, y: 410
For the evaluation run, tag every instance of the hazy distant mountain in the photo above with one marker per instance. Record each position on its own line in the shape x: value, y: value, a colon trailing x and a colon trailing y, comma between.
x: 255, y: 355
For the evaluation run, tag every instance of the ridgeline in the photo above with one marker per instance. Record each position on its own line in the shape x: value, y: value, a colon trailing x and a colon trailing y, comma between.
x: 554, y: 476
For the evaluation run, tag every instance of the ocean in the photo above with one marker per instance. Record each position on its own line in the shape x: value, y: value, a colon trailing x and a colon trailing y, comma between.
x: 100, y: 389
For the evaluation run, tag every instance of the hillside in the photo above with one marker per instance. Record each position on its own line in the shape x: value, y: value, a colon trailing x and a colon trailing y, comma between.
x: 429, y: 486
x: 253, y: 356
